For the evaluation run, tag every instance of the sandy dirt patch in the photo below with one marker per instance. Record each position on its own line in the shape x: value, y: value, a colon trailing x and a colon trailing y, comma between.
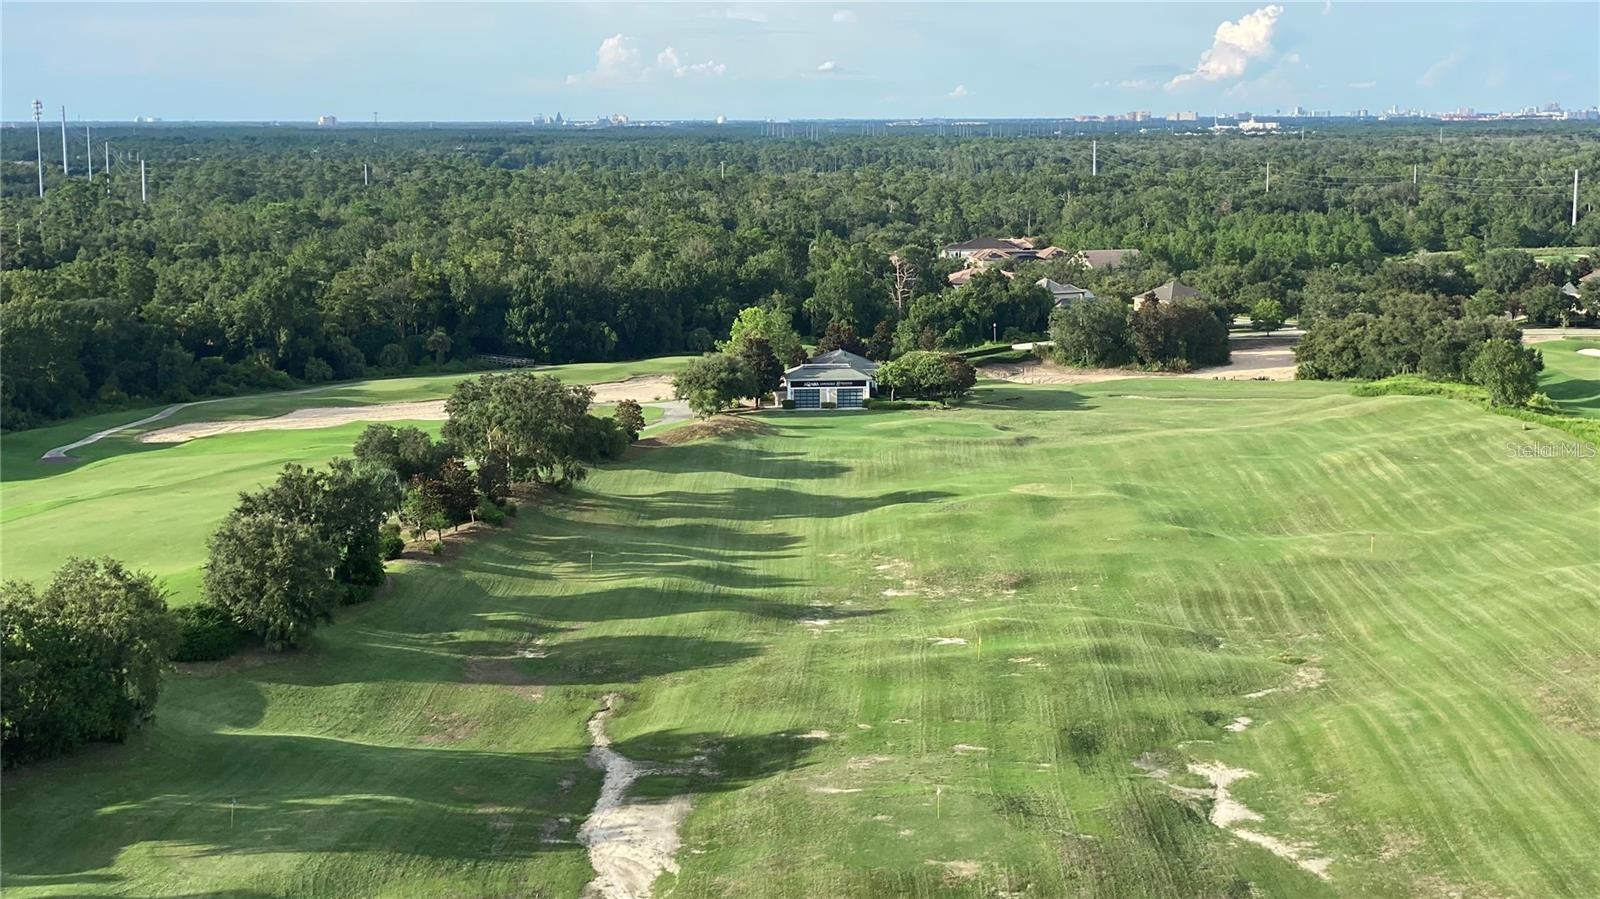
x: 1253, y: 357
x: 301, y: 420
x: 1589, y: 351
x: 1228, y: 813
x: 631, y: 842
x: 644, y: 390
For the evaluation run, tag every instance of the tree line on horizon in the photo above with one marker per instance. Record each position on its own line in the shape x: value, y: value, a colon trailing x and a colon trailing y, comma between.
x: 262, y: 260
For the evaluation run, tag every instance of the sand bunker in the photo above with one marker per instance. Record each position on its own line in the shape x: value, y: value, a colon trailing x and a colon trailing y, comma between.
x: 641, y: 389
x: 630, y: 841
x: 1589, y: 351
x: 1270, y: 358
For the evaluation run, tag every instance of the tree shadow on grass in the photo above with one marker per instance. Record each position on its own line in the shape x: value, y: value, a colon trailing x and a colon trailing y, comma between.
x: 745, y: 461
x: 588, y: 661
x: 1030, y: 398
x: 765, y: 504
x: 295, y: 794
x: 318, y: 796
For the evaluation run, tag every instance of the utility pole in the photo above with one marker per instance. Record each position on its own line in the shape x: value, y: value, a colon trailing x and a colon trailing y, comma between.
x: 1574, y: 198
x: 1094, y: 158
x: 1413, y: 174
x: 144, y: 197
x: 1269, y: 176
x: 64, y: 169
x: 38, y: 143
x: 106, y: 160
x: 88, y: 151
x: 366, y: 178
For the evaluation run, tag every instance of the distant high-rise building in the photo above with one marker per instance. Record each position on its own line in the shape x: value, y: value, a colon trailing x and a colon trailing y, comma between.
x: 1185, y: 116
x: 327, y: 121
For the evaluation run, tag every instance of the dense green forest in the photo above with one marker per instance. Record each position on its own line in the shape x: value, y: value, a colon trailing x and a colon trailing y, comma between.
x: 266, y: 256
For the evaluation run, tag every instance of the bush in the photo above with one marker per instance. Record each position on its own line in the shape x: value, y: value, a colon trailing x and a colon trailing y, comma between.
x: 1092, y: 333
x: 829, y: 404
x: 1541, y: 402
x: 509, y: 507
x: 1506, y: 370
x: 317, y: 371
x: 390, y: 543
x: 786, y: 403
x: 436, y: 547
x: 206, y: 634
x: 489, y: 513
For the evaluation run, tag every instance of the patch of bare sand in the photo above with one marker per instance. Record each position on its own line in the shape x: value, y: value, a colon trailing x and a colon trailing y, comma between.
x: 1259, y: 358
x: 631, y: 841
x: 733, y: 426
x: 645, y: 389
x: 1228, y: 813
x: 958, y: 872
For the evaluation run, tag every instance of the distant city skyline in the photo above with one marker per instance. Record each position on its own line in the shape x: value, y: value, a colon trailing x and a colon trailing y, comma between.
x: 487, y: 62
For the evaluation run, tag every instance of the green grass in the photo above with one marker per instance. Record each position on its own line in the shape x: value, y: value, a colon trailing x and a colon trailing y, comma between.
x: 1125, y: 562
x: 154, y: 504
x: 1570, y: 378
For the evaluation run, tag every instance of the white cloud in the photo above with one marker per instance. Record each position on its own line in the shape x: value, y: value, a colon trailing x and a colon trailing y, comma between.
x: 959, y: 92
x: 1327, y: 6
x: 1233, y: 46
x: 1363, y: 85
x: 1134, y: 84
x: 1292, y: 59
x: 745, y: 15
x: 844, y: 16
x: 1438, y: 69
x: 826, y: 67
x: 617, y: 62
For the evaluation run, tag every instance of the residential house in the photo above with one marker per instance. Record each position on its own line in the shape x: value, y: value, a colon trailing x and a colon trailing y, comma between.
x: 1064, y: 294
x: 957, y: 279
x: 1101, y: 260
x: 1166, y: 293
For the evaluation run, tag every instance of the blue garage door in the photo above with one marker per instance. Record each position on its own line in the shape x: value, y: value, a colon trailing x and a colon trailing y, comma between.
x: 807, y: 398
x: 850, y: 397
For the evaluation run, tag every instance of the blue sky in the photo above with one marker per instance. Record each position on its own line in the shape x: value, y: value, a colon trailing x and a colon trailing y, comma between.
x: 467, y: 61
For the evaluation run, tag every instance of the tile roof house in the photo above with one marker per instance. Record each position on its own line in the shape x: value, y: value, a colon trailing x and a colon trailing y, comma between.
x: 1166, y: 293
x: 957, y: 279
x: 1100, y: 260
x: 1064, y: 294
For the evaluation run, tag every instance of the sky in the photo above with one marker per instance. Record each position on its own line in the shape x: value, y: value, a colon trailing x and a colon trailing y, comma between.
x: 513, y: 62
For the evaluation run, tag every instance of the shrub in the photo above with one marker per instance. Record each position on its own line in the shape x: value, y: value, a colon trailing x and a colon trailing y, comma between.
x: 317, y: 371
x: 206, y: 634
x: 390, y: 543
x: 436, y: 547
x: 355, y: 594
x: 1541, y: 402
x: 786, y: 403
x: 489, y: 513
x: 509, y: 507
x: 829, y: 404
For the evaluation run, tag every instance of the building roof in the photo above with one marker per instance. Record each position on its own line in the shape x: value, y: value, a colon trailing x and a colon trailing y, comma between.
x: 1172, y: 290
x: 826, y: 373
x: 1051, y: 252
x: 1570, y: 289
x: 846, y: 358
x: 1010, y: 246
x: 1058, y: 287
x: 959, y: 278
x: 1106, y: 258
x: 1590, y: 277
